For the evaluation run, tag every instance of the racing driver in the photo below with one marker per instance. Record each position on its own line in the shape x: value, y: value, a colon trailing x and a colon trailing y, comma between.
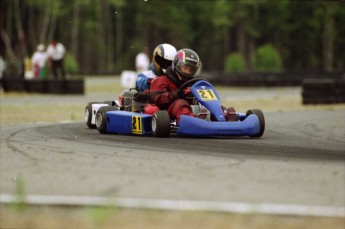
x: 165, y: 92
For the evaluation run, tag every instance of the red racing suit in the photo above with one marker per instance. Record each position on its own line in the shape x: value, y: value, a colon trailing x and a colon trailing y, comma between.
x: 162, y: 89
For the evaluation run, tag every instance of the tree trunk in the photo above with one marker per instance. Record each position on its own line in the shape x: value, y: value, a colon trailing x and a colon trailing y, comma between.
x: 75, y: 29
x: 241, y: 41
x: 8, y: 46
x: 45, y: 23
x: 226, y: 44
x: 119, y: 40
x: 104, y: 34
x: 32, y: 30
x: 328, y: 37
x: 54, y: 13
x: 19, y: 27
x: 110, y: 56
x: 251, y: 53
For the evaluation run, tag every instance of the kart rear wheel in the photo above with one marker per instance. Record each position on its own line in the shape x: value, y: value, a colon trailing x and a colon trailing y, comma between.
x: 161, y: 124
x: 101, y: 118
x: 110, y: 103
x: 261, y: 117
x: 88, y: 115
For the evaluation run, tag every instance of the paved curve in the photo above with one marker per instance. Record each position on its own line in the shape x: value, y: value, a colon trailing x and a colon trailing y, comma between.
x: 299, y: 160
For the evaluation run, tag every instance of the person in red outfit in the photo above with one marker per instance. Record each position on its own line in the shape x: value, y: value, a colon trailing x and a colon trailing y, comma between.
x: 165, y: 89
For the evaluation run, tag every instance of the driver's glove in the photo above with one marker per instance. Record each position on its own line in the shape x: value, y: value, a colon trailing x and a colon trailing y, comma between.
x: 178, y: 94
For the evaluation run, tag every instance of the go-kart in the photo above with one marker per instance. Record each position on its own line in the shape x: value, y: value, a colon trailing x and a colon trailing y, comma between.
x: 129, y: 117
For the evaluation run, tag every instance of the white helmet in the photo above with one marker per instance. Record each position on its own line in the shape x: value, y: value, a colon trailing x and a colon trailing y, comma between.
x: 162, y: 57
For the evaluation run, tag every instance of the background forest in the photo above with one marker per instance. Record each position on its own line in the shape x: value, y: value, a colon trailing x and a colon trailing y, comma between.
x: 103, y: 36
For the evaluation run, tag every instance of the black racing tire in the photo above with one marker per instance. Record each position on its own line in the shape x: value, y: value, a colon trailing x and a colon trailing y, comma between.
x: 88, y: 115
x: 101, y: 119
x: 261, y: 117
x: 10, y: 84
x: 35, y: 86
x: 54, y: 86
x: 75, y: 87
x: 110, y: 103
x: 161, y: 124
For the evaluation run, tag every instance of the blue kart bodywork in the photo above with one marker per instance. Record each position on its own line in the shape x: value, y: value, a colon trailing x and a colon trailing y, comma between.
x: 199, y: 127
x: 125, y: 122
x: 250, y: 124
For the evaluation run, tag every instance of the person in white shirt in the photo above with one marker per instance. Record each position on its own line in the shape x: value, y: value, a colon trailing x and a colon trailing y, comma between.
x: 142, y: 61
x: 38, y: 61
x: 56, y: 52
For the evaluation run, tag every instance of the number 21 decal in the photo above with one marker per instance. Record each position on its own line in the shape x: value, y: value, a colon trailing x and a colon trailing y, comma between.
x: 207, y: 94
x: 137, y: 125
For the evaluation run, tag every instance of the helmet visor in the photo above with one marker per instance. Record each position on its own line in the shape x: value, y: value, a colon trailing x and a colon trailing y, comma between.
x: 187, y: 69
x: 163, y: 63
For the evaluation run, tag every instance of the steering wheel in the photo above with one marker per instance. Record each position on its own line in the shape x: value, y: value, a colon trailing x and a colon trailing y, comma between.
x: 190, y: 83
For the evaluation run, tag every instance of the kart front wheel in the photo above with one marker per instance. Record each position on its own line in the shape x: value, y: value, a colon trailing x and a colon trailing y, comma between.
x: 101, y: 118
x: 261, y: 118
x: 161, y: 124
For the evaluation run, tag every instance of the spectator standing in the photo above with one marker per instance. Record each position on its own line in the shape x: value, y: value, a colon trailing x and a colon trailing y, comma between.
x: 56, y: 52
x: 39, y: 61
x: 142, y: 61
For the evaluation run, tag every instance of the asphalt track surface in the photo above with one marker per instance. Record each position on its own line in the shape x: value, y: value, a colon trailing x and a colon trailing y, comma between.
x: 298, y: 161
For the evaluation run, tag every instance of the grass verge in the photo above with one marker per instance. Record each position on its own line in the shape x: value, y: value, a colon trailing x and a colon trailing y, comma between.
x: 57, y: 217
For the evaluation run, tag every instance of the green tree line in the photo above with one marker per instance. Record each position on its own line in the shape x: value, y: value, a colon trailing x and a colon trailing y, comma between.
x: 103, y: 36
